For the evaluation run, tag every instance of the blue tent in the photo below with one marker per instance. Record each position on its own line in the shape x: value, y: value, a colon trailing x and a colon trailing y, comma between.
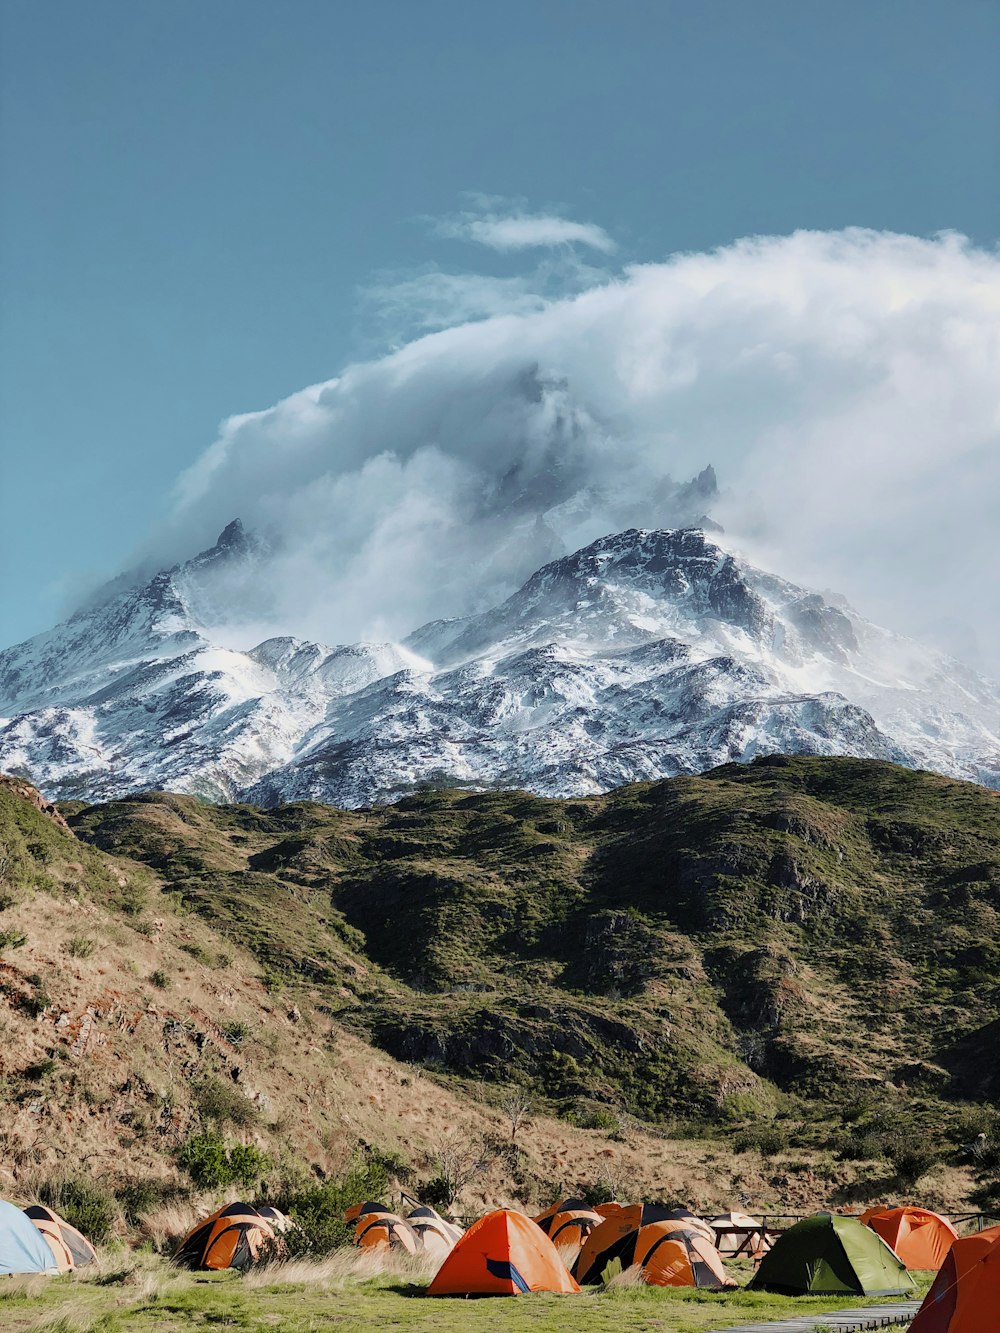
x: 22, y: 1245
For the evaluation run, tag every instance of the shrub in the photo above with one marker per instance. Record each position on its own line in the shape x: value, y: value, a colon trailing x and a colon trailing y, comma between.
x: 199, y: 954
x: 36, y: 1005
x: 318, y: 1210
x: 85, y: 1205
x: 159, y: 979
x: 80, y: 946
x: 911, y: 1158
x: 213, y: 1166
x: 39, y: 1069
x: 141, y: 1196
x: 236, y: 1032
x: 767, y: 1139
x: 12, y: 939
x: 223, y: 1104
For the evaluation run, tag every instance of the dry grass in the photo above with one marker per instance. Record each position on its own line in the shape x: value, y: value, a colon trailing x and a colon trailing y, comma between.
x: 346, y: 1265
x: 629, y: 1277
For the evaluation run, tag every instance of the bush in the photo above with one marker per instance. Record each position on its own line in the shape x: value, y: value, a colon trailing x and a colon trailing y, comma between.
x: 159, y: 979
x: 199, y: 954
x: 140, y: 1197
x: 767, y: 1139
x: 85, y: 1205
x: 223, y: 1104
x: 213, y: 1166
x: 80, y: 946
x: 318, y: 1210
x: 911, y: 1159
x: 36, y: 1005
x: 40, y: 1069
x: 12, y: 939
x: 236, y: 1032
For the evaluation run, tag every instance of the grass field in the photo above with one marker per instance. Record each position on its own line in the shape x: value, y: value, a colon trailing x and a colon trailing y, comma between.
x: 143, y: 1293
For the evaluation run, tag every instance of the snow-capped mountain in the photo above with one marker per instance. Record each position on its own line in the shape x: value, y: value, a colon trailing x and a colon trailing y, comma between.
x: 643, y: 655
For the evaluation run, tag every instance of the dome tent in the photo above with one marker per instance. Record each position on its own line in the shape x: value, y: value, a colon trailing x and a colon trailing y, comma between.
x: 69, y: 1247
x: 436, y: 1236
x: 669, y: 1253
x: 233, y: 1237
x: 503, y: 1254
x: 22, y: 1245
x: 569, y: 1221
x: 616, y: 1226
x: 965, y: 1295
x: 375, y: 1227
x: 921, y: 1238
x: 828, y: 1255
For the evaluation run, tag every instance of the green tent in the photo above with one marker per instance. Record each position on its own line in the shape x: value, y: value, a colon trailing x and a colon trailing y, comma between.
x: 826, y: 1255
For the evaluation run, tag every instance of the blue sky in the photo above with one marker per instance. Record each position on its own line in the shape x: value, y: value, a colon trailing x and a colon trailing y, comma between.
x: 195, y: 193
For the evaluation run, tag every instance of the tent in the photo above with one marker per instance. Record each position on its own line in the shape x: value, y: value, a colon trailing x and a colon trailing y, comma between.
x: 69, y: 1248
x: 435, y: 1235
x: 695, y: 1223
x: 22, y: 1246
x: 615, y: 1227
x: 921, y: 1238
x: 233, y: 1237
x: 670, y: 1254
x: 573, y: 1226
x: 503, y: 1254
x: 568, y: 1222
x: 278, y: 1220
x: 826, y: 1255
x: 738, y: 1232
x: 965, y: 1295
x: 376, y: 1226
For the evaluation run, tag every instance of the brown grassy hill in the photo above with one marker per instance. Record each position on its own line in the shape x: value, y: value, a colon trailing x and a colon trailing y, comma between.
x: 685, y: 953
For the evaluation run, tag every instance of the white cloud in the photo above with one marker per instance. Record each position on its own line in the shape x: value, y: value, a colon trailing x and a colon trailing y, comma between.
x: 524, y: 231
x: 845, y: 385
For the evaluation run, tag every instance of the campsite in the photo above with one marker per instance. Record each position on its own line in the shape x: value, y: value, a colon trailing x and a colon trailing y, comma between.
x: 650, y: 1267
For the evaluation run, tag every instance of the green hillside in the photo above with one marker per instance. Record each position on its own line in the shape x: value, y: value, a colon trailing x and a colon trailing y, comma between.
x: 810, y: 939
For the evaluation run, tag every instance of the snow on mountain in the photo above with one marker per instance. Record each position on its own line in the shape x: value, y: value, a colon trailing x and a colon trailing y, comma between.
x: 643, y: 655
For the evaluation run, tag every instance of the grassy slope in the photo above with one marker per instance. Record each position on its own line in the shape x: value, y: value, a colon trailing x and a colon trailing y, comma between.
x: 681, y: 948
x: 799, y: 938
x: 104, y: 1072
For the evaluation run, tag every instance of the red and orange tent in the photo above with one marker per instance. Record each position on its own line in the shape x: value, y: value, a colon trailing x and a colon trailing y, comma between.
x: 965, y: 1295
x: 503, y: 1254
x: 921, y: 1238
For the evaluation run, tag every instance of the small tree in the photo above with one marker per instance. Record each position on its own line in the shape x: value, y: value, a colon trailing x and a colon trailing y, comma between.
x: 515, y: 1106
x: 457, y: 1164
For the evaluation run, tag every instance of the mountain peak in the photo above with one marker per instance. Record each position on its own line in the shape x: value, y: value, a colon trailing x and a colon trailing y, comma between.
x: 233, y: 534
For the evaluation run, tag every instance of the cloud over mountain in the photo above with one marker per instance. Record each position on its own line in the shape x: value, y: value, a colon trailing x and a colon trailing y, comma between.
x: 844, y: 385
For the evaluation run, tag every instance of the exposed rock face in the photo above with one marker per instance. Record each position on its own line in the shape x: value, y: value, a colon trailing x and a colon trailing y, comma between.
x: 34, y: 797
x: 643, y: 655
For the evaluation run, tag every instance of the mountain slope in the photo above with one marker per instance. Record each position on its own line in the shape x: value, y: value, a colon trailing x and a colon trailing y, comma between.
x: 798, y: 926
x: 641, y: 656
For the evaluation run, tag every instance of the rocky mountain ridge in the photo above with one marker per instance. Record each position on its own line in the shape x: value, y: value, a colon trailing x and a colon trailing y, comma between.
x: 646, y: 654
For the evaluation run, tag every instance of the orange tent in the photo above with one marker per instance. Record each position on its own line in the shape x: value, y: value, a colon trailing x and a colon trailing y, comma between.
x: 610, y: 1209
x: 921, y: 1239
x: 670, y: 1253
x: 233, y: 1237
x: 615, y: 1227
x: 384, y: 1228
x: 965, y: 1295
x: 503, y: 1254
x: 69, y: 1248
x: 573, y: 1226
x: 544, y: 1220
